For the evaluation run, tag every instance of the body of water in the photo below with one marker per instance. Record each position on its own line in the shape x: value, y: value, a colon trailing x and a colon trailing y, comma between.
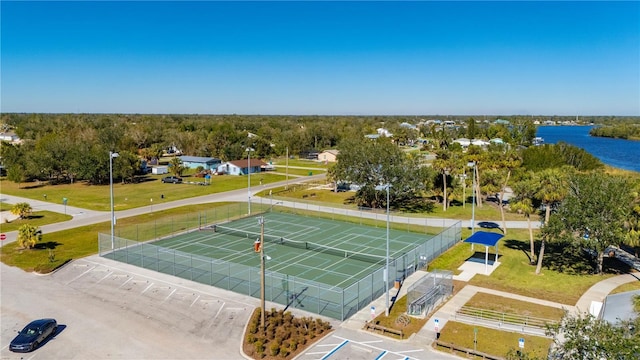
x: 619, y: 153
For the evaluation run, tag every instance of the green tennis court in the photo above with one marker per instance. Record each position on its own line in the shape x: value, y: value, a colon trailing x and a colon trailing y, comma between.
x: 330, y: 267
x: 325, y: 251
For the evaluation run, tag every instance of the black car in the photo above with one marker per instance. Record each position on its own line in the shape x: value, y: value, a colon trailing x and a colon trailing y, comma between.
x: 172, y: 180
x: 33, y: 335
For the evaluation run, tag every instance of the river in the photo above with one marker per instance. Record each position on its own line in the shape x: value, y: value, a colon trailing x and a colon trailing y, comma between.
x: 619, y: 153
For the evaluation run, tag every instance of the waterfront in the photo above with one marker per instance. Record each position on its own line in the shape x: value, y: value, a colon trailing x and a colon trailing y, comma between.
x: 619, y: 153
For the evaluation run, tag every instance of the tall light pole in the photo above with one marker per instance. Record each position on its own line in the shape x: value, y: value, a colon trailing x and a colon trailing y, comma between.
x: 262, y: 275
x: 386, y: 269
x: 113, y: 217
x: 249, y: 150
x: 473, y: 192
x: 286, y: 170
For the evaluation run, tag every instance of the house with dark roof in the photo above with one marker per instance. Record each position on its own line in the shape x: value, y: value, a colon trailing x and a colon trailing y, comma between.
x: 241, y: 167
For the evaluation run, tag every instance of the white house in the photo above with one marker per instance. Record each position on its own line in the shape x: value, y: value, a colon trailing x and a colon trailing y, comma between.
x: 241, y: 167
x: 9, y: 136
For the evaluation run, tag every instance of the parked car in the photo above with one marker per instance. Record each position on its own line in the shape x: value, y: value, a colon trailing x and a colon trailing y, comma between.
x: 33, y: 335
x: 171, y: 180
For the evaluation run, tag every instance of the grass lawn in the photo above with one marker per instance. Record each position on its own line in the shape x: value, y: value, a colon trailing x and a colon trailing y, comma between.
x: 511, y: 306
x: 494, y: 342
x: 488, y: 212
x: 516, y: 275
x: 37, y: 218
x: 281, y: 163
x: 57, y: 248
x: 632, y: 286
x: 128, y: 196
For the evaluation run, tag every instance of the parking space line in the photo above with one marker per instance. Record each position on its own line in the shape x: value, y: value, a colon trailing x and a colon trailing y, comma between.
x: 194, y: 301
x: 382, y: 354
x: 106, y: 276
x: 125, y: 283
x: 81, y: 275
x: 334, y: 350
x: 147, y: 288
x: 220, y: 310
x: 168, y: 296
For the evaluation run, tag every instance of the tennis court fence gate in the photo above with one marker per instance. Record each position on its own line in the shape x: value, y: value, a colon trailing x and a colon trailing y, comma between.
x: 288, y: 290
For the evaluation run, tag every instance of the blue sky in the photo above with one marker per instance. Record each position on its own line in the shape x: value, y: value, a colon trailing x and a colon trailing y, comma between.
x: 325, y: 58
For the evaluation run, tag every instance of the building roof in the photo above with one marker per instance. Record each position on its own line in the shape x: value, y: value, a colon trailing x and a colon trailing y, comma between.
x: 199, y: 159
x: 484, y: 238
x: 332, y: 151
x: 243, y: 164
x: 619, y: 307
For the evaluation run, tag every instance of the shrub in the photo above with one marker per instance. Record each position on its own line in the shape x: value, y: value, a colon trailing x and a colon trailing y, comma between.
x: 259, y: 347
x: 274, y: 348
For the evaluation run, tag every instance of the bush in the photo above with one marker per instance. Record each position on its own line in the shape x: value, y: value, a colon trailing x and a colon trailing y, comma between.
x: 284, y: 337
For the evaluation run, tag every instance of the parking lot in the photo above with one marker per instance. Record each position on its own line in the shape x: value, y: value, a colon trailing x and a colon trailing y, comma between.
x: 108, y: 310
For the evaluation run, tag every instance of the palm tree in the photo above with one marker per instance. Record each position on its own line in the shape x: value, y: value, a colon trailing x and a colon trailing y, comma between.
x: 441, y: 164
x: 510, y: 160
x: 28, y: 236
x: 552, y: 188
x: 525, y: 206
x: 176, y: 167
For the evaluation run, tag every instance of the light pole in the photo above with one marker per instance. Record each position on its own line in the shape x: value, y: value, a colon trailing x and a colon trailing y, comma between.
x: 286, y: 170
x: 386, y: 269
x: 113, y: 217
x: 262, y: 282
x: 473, y: 197
x: 249, y: 150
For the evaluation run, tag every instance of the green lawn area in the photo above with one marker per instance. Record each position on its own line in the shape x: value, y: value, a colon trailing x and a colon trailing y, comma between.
x: 516, y: 275
x: 128, y: 196
x: 632, y: 286
x: 282, y: 163
x: 37, y: 218
x: 494, y: 342
x: 511, y: 306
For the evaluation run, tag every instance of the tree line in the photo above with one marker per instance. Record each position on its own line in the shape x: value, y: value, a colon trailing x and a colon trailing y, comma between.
x: 74, y: 147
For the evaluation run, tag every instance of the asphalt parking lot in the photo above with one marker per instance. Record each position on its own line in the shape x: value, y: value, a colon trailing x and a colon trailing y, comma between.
x: 110, y: 310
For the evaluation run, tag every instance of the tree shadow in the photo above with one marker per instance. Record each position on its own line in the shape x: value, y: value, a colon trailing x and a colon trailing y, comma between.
x: 523, y: 246
x: 47, y: 245
x: 32, y: 217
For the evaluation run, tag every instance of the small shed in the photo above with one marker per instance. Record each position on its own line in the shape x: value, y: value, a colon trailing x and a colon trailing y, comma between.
x: 328, y: 156
x: 487, y: 239
x: 159, y: 170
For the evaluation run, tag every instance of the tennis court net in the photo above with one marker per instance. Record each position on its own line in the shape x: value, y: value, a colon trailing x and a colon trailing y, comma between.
x: 306, y: 245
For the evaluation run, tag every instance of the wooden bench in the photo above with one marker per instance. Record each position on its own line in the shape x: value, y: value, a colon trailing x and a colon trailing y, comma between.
x: 375, y: 327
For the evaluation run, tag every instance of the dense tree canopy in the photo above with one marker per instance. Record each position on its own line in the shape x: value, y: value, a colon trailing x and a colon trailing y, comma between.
x: 593, y: 213
x: 369, y: 163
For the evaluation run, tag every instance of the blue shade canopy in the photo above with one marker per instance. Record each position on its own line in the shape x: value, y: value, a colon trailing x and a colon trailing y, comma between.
x: 484, y: 238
